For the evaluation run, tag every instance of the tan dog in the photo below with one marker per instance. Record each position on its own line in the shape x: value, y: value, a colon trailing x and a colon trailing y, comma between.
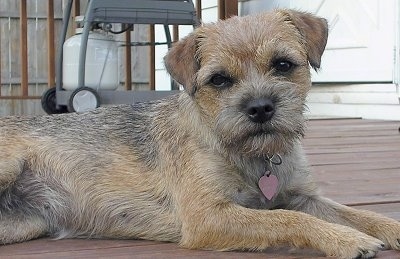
x: 219, y: 166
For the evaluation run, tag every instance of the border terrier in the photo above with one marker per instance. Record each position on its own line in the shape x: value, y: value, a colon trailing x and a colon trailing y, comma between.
x: 218, y: 166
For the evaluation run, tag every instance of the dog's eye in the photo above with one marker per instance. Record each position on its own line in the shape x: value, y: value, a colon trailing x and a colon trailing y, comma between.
x: 219, y: 80
x: 283, y: 66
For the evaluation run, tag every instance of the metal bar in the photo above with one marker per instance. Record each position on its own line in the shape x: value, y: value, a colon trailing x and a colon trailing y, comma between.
x: 50, y: 44
x: 84, y: 41
x: 141, y: 44
x: 152, y: 81
x: 128, y: 61
x: 24, y: 47
x: 168, y: 36
x: 123, y: 97
x: 169, y: 42
x: 63, y: 34
x: 119, y: 97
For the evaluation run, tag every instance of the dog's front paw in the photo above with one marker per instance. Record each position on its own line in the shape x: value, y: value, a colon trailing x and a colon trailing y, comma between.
x: 391, y: 241
x: 389, y: 233
x: 350, y: 243
x: 361, y: 247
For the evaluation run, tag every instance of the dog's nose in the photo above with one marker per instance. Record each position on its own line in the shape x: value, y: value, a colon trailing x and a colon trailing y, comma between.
x: 260, y: 110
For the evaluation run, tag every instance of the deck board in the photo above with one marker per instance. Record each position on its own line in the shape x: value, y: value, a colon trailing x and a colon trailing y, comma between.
x: 355, y: 162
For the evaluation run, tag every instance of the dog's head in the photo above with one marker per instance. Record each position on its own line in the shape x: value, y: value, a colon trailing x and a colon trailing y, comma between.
x: 249, y: 76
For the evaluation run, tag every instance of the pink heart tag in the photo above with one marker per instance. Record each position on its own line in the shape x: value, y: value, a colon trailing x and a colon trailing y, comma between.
x: 268, y: 184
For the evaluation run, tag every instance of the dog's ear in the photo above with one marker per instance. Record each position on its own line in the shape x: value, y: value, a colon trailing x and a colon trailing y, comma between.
x: 182, y: 64
x: 315, y: 32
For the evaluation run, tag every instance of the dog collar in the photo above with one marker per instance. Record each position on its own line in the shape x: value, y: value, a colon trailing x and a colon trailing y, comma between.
x: 268, y: 183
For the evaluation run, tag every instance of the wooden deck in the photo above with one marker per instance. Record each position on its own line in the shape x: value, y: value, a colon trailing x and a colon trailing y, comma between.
x: 356, y: 162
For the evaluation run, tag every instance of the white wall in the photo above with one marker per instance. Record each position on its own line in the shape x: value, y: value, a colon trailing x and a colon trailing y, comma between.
x: 368, y: 101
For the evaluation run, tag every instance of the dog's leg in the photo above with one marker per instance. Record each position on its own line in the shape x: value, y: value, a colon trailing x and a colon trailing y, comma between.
x: 229, y: 226
x: 9, y: 172
x: 18, y: 227
x: 15, y: 226
x: 10, y: 168
x: 12, y: 162
x: 373, y: 224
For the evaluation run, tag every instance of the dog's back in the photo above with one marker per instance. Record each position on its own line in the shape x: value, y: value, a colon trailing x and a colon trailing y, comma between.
x: 70, y: 172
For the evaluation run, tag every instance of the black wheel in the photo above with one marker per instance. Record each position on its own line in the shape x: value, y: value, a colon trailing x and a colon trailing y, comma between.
x: 83, y: 99
x: 49, y: 102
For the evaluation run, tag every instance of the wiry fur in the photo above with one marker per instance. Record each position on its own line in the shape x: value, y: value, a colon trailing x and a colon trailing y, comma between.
x: 185, y: 169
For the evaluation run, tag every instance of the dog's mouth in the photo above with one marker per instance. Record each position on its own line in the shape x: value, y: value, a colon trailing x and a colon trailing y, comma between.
x: 263, y: 142
x: 262, y: 132
x: 274, y: 136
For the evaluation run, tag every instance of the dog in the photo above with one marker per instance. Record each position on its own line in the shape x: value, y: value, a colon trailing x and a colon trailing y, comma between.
x: 218, y: 166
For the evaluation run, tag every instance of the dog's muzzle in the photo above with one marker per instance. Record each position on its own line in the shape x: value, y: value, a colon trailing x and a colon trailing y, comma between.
x: 260, y: 110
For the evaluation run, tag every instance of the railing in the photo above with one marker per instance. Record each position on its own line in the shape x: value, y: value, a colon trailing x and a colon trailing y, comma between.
x: 23, y: 81
x: 17, y: 39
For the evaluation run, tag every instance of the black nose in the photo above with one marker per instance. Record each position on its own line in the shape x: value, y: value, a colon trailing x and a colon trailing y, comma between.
x: 260, y: 110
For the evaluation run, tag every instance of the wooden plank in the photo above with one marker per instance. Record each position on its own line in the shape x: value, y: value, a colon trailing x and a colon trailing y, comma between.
x: 76, y: 11
x: 353, y: 168
x: 50, y: 44
x: 355, y: 158
x: 351, y: 149
x: 10, y: 39
x: 330, y: 173
x: 45, y: 248
x: 227, y: 9
x: 152, y: 80
x: 5, y: 39
x: 14, y: 97
x: 353, y: 132
x: 17, y: 81
x: 221, y: 9
x: 46, y: 245
x: 355, y: 122
x: 175, y: 33
x: 24, y: 47
x: 198, y: 9
x: 355, y: 161
x: 329, y: 126
x: 391, y: 210
x: 128, y: 61
x: 76, y: 8
x: 38, y: 52
x: 231, y: 8
x: 354, y: 192
x: 361, y: 141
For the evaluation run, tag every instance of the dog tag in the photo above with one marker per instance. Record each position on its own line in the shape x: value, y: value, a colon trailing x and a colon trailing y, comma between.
x: 268, y: 184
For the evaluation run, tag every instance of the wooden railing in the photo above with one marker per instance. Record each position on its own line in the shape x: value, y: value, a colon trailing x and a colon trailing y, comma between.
x: 226, y: 9
x: 24, y: 47
x: 21, y: 79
